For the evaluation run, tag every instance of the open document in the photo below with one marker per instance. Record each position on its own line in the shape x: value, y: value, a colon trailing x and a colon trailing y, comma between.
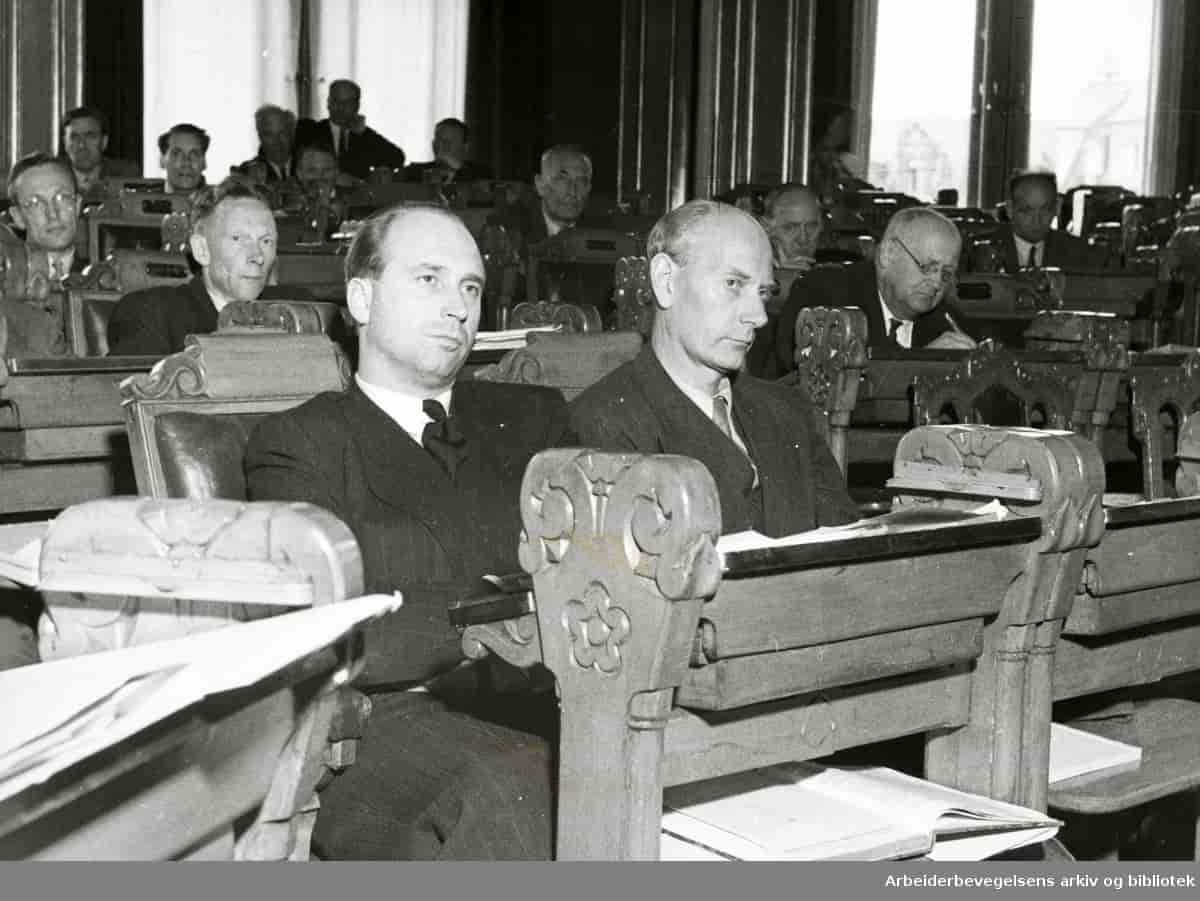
x: 510, y: 339
x: 905, y: 519
x: 58, y: 713
x: 810, y: 811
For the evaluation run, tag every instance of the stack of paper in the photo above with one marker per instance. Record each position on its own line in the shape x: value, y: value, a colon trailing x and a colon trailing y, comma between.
x: 808, y: 811
x: 509, y: 339
x: 58, y: 713
x: 21, y: 550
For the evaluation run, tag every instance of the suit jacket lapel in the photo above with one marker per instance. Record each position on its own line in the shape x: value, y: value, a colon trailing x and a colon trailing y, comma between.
x: 758, y: 425
x: 401, y: 474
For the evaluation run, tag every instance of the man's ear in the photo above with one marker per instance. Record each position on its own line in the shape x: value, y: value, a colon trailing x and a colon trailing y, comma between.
x: 539, y: 184
x: 663, y: 272
x: 199, y: 245
x: 103, y: 143
x: 18, y: 217
x: 162, y: 161
x: 360, y: 293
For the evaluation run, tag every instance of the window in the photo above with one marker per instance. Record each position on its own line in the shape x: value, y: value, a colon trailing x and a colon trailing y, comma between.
x: 1090, y: 91
x: 921, y: 97
x: 214, y: 63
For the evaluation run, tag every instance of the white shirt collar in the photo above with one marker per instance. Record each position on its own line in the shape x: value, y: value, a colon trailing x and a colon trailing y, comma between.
x: 904, y: 334
x: 553, y: 227
x: 1023, y: 250
x: 406, y: 410
x: 63, y: 259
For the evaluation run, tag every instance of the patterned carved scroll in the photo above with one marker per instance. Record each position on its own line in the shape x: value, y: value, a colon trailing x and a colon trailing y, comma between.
x: 125, y: 571
x: 1011, y: 723
x: 1060, y: 391
x: 574, y: 319
x: 130, y: 571
x: 831, y: 353
x: 622, y: 552
x: 1154, y: 390
x: 290, y: 317
x: 633, y: 296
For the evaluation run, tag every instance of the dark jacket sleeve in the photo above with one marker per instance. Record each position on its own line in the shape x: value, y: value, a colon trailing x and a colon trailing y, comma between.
x: 138, y: 326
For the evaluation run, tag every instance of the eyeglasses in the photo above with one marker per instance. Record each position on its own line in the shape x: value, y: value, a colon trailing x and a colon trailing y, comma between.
x: 931, y: 269
x: 63, y: 200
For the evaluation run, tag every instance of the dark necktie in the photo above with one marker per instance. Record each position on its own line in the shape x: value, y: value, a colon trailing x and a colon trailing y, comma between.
x: 894, y: 332
x: 442, y: 437
x: 1031, y: 260
x: 343, y: 142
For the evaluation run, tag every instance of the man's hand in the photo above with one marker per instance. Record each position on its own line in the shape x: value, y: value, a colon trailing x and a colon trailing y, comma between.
x: 951, y: 340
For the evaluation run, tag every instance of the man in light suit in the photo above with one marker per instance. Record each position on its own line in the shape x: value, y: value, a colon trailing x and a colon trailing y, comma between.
x: 357, y: 146
x: 426, y: 471
x: 686, y: 393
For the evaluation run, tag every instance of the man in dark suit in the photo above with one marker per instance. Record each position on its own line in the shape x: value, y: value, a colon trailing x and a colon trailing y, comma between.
x: 426, y: 471
x: 276, y: 128
x: 903, y: 293
x: 84, y: 141
x: 357, y: 146
x: 233, y: 240
x: 1031, y: 242
x: 451, y: 145
x: 686, y: 393
x: 183, y: 155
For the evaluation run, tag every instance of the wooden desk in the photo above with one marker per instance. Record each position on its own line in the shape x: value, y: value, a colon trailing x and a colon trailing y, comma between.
x: 62, y: 432
x: 675, y: 663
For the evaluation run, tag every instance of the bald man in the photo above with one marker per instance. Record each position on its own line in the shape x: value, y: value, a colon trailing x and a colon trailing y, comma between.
x: 686, y: 393
x: 794, y: 221
x: 907, y: 293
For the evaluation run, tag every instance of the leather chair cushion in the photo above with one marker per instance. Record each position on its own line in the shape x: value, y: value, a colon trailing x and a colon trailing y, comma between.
x: 202, y: 454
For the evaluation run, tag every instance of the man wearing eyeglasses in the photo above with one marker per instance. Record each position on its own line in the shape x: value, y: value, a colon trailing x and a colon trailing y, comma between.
x: 44, y: 203
x: 903, y: 294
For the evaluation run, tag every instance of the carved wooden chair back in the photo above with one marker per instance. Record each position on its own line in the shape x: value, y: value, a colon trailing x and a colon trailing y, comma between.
x: 586, y: 258
x: 713, y: 663
x: 1155, y: 390
x: 134, y: 270
x: 569, y: 362
x: 131, y: 220
x: 1053, y: 396
x: 87, y: 318
x: 831, y: 352
x: 132, y: 571
x: 189, y: 418
x: 309, y: 269
x: 572, y: 319
x: 633, y: 296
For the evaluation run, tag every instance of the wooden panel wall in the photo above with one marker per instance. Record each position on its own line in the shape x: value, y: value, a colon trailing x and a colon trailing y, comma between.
x: 713, y: 93
x: 41, y: 55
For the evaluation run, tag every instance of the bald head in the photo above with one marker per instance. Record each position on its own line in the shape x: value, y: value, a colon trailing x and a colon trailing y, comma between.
x: 917, y: 261
x: 564, y: 183
x: 793, y: 218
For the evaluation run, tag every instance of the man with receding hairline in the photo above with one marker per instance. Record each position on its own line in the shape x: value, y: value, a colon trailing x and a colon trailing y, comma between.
x: 906, y: 293
x: 233, y: 239
x: 426, y: 471
x: 1031, y: 243
x: 358, y: 147
x: 687, y: 393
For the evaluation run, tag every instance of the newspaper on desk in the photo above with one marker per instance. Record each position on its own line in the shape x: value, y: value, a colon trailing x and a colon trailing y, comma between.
x: 58, y: 713
x: 896, y: 521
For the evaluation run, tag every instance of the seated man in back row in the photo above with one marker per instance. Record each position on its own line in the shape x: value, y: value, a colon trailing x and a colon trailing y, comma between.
x: 233, y: 240
x: 903, y: 293
x: 426, y: 471
x: 711, y: 272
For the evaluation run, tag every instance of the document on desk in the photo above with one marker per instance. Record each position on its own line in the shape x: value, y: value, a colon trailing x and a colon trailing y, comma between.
x: 809, y: 811
x: 58, y: 713
x: 21, y: 551
x: 907, y: 519
x: 509, y: 339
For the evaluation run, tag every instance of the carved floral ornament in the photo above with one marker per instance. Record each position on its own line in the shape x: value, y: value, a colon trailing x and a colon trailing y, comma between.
x: 597, y: 629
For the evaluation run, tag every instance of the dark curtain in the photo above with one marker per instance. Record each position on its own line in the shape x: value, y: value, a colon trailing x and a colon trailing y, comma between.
x: 542, y: 73
x: 1187, y: 164
x: 833, y: 67
x: 112, y: 71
